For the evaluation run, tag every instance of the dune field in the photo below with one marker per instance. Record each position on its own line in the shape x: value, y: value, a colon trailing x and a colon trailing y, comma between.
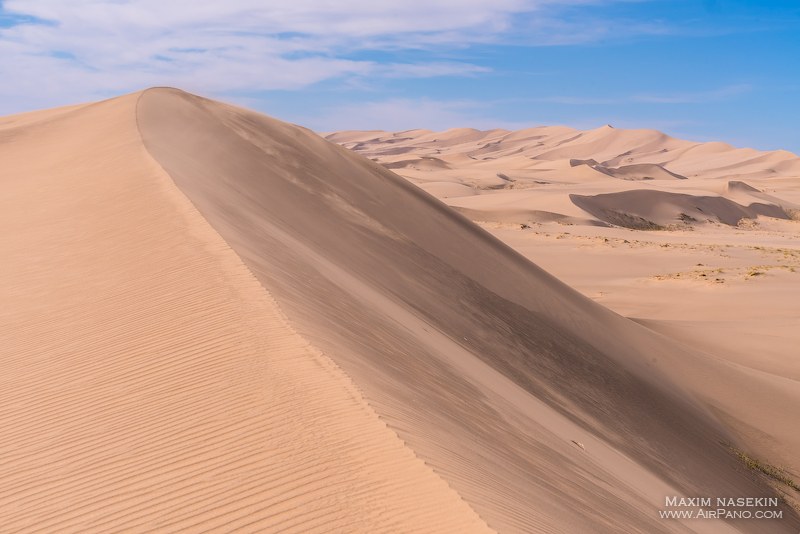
x: 717, y: 265
x: 217, y: 321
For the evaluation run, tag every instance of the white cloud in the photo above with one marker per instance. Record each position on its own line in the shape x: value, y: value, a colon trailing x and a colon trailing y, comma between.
x: 430, y: 70
x: 405, y: 114
x: 92, y: 48
x: 357, y: 18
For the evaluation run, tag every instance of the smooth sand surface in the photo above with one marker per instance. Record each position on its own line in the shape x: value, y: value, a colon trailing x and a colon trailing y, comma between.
x: 149, y: 383
x: 218, y: 321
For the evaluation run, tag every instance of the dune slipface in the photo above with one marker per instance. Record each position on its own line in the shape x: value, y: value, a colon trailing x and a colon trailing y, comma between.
x: 543, y: 410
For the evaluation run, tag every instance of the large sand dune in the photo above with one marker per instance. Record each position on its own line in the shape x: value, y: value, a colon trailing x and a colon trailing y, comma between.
x: 150, y: 383
x: 212, y: 317
x: 487, y: 366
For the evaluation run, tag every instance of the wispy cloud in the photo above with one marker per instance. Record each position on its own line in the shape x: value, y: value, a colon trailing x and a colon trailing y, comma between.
x: 430, y: 70
x: 405, y: 114
x: 83, y: 49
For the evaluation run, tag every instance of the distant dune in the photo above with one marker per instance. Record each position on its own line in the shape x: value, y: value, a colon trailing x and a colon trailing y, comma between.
x: 214, y: 320
x: 641, y: 208
x: 559, y: 162
x: 639, y: 171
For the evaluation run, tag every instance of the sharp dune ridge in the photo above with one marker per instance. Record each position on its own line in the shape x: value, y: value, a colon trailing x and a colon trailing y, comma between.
x: 213, y: 317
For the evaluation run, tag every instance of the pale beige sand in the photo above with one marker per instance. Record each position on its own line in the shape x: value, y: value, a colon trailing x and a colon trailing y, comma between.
x: 490, y: 369
x: 713, y: 290
x: 149, y: 383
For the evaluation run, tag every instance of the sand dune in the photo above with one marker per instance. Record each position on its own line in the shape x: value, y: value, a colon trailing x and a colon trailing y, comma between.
x: 641, y: 209
x: 485, y: 365
x: 425, y: 163
x: 639, y: 171
x: 150, y: 383
x: 711, y: 260
x: 559, y: 162
x: 212, y: 318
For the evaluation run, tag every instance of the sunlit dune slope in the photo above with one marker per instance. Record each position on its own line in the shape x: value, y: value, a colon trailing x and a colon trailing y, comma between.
x: 543, y: 410
x: 148, y: 383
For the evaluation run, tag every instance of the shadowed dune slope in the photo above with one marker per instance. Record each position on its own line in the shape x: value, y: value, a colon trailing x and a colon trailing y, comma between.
x: 638, y: 208
x: 487, y: 367
x: 148, y: 383
x: 641, y: 171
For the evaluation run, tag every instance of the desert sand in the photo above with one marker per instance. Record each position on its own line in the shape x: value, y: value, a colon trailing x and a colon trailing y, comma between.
x: 697, y: 241
x: 150, y: 384
x: 218, y: 321
x: 715, y: 265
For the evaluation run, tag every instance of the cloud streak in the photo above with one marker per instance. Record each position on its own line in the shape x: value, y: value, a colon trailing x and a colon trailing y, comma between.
x: 400, y: 114
x: 53, y: 51
x: 233, y: 45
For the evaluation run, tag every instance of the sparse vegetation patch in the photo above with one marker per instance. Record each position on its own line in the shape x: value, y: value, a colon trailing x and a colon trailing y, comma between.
x: 775, y: 473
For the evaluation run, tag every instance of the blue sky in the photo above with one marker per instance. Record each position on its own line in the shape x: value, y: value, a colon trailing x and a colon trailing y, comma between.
x: 699, y: 69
